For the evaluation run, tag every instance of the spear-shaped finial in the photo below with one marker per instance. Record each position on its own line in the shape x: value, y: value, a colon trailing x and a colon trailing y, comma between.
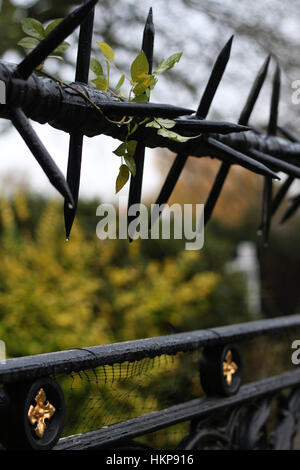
x: 243, y: 120
x: 76, y: 140
x: 268, y: 184
x: 281, y: 193
x: 202, y: 111
x: 266, y: 209
x: 54, y: 39
x: 214, y: 80
x: 254, y: 93
x: 23, y: 126
x: 135, y: 189
x: 276, y: 163
x: 222, y: 151
x: 272, y: 127
x: 148, y: 39
x: 292, y: 209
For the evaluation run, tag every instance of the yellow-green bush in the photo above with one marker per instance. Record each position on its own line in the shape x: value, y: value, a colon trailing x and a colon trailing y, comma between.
x: 58, y: 295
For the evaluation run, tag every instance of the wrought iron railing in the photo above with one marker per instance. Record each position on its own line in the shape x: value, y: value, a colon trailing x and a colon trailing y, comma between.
x: 121, y: 393
x: 115, y: 395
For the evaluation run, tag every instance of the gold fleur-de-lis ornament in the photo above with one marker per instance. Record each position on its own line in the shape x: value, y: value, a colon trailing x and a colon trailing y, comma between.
x: 229, y: 368
x: 40, y: 412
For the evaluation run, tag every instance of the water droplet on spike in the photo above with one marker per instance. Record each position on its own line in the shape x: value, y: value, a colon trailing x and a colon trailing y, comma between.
x: 67, y: 239
x: 259, y: 232
x: 70, y: 206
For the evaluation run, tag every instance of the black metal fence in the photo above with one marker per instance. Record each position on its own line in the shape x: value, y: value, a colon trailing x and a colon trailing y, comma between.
x: 188, y: 385
x: 116, y: 395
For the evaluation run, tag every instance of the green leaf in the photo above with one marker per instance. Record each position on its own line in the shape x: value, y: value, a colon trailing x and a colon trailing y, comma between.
x: 28, y: 43
x: 33, y: 28
x: 131, y: 164
x: 96, y: 67
x: 52, y: 25
x: 122, y: 177
x: 142, y: 86
x: 140, y: 99
x: 167, y: 123
x: 153, y: 124
x: 174, y: 136
x: 120, y: 82
x: 101, y: 82
x: 106, y: 50
x: 121, y: 150
x: 139, y: 67
x: 167, y: 64
x: 127, y: 150
x: 61, y: 48
x: 131, y: 147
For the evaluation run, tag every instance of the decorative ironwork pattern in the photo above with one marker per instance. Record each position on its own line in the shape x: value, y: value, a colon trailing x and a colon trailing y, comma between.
x: 38, y: 414
x: 244, y: 427
x: 246, y: 407
x: 229, y: 368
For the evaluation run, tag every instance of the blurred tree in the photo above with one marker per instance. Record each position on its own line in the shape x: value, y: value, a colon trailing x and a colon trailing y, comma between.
x: 57, y: 295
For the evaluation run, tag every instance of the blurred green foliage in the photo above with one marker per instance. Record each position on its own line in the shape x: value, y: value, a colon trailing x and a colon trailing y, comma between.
x: 58, y: 295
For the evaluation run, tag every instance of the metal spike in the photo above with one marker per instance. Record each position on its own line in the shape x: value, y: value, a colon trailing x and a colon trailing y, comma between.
x: 254, y: 93
x: 222, y: 151
x: 168, y: 185
x: 23, y: 126
x: 123, y: 108
x: 204, y: 126
x: 268, y: 184
x: 76, y: 140
x: 243, y: 120
x: 288, y: 134
x: 215, y: 191
x: 272, y: 127
x: 291, y: 211
x: 148, y: 39
x: 281, y: 193
x: 266, y: 208
x: 278, y: 165
x: 54, y: 39
x: 135, y: 189
x: 214, y: 80
x: 202, y: 111
x: 289, y: 181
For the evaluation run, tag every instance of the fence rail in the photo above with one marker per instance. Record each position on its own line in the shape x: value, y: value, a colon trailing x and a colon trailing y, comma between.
x: 39, y: 365
x: 225, y: 418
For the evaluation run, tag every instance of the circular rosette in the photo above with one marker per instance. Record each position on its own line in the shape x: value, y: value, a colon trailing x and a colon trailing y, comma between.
x: 35, y: 416
x: 221, y: 370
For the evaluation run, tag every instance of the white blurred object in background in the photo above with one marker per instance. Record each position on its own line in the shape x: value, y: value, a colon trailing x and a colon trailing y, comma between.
x: 247, y: 263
